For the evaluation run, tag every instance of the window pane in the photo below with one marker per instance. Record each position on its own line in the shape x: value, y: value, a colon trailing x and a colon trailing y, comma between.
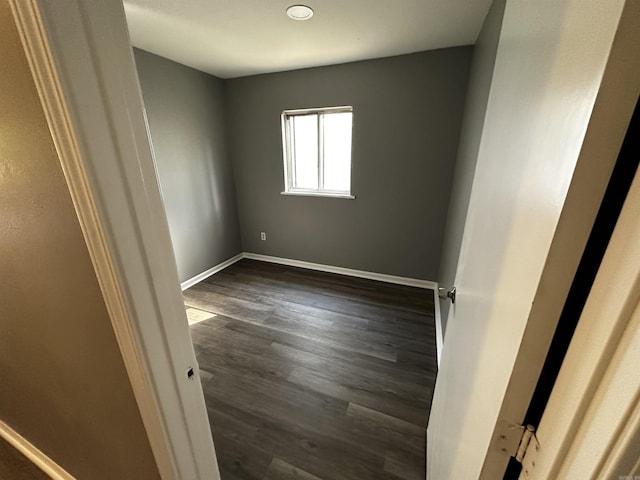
x: 337, y: 151
x: 305, y: 145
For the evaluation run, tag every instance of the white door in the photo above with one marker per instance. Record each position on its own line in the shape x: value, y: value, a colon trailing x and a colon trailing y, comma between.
x: 544, y: 160
x: 591, y: 426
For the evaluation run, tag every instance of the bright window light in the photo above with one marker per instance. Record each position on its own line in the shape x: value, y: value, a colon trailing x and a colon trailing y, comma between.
x: 317, y: 151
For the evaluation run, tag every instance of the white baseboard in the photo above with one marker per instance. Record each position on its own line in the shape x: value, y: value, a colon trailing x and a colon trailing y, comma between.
x: 207, y: 273
x: 412, y: 282
x: 33, y: 454
x: 438, y: 321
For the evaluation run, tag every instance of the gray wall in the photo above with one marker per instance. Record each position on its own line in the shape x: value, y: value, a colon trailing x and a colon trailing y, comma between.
x: 484, y: 57
x: 407, y: 116
x: 185, y: 110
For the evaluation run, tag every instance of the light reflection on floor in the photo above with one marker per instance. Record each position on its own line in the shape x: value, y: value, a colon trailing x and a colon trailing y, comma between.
x: 196, y: 315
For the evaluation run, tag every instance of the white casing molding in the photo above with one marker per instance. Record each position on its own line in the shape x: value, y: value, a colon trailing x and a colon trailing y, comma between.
x: 35, y: 456
x: 83, y: 67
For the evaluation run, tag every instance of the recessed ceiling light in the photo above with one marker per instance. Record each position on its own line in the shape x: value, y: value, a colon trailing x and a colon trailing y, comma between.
x: 299, y: 12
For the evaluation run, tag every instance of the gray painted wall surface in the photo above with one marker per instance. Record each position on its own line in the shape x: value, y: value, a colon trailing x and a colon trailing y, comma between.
x: 484, y: 57
x: 186, y: 115
x: 407, y: 117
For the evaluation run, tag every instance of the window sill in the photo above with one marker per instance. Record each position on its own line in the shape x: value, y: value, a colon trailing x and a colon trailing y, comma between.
x: 320, y: 194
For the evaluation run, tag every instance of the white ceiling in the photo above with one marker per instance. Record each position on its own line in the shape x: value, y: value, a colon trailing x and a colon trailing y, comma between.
x: 234, y: 38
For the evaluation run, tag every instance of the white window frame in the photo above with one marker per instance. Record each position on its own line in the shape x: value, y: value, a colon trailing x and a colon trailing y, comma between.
x: 288, y: 153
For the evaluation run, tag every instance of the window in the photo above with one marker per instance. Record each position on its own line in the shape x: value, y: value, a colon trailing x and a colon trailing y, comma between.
x: 317, y: 151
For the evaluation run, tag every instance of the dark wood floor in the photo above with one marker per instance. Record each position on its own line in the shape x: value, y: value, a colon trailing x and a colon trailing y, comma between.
x: 309, y: 375
x: 15, y: 466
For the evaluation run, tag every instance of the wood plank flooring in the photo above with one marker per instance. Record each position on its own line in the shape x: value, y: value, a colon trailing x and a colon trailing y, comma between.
x: 314, y: 376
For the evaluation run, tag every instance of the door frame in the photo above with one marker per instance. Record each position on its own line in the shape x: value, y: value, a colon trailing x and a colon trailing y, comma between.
x: 591, y: 425
x: 82, y: 63
x: 608, y: 124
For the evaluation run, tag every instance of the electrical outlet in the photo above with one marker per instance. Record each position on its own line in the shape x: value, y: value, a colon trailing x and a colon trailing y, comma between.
x: 263, y: 236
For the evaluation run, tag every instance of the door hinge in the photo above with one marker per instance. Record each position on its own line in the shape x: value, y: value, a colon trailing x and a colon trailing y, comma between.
x: 521, y: 443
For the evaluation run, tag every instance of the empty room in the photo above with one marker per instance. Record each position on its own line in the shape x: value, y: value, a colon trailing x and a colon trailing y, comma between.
x: 331, y: 241
x: 306, y: 168
x: 316, y: 165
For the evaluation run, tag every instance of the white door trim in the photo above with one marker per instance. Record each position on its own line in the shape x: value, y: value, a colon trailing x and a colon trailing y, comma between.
x: 608, y: 124
x: 82, y: 63
x: 591, y: 426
